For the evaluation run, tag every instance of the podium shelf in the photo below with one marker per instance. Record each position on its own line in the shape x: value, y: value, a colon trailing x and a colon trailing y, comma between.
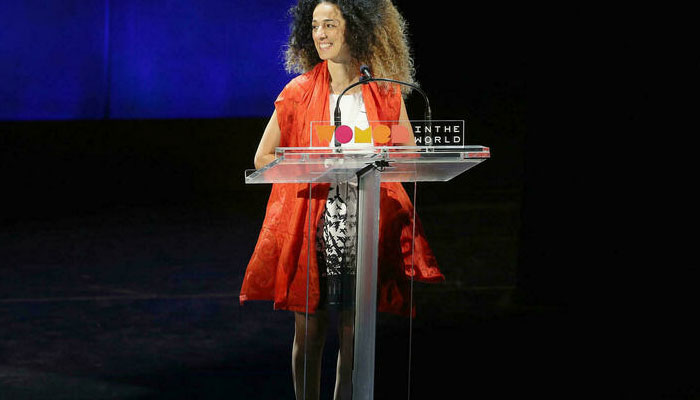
x: 404, y: 163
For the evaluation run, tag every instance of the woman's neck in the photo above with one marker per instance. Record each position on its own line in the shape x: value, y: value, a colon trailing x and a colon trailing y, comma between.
x: 342, y: 76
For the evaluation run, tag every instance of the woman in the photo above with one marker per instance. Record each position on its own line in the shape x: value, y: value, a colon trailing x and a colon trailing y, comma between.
x: 328, y: 43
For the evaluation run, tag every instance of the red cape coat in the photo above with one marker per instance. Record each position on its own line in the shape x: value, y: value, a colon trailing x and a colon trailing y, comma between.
x: 278, y: 267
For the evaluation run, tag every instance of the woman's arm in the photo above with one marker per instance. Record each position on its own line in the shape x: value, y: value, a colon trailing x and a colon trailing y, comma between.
x: 403, y: 117
x: 269, y: 141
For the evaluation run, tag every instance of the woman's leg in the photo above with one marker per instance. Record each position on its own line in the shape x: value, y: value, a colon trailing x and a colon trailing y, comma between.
x: 343, y: 378
x: 310, y: 349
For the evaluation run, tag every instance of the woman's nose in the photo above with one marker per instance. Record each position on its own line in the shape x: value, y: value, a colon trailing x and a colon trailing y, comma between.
x: 320, y: 33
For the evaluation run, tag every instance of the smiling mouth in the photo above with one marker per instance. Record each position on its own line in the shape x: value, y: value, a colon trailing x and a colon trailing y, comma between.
x: 324, y: 46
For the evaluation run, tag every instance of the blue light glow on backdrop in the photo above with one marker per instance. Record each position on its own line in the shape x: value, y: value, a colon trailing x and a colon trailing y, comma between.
x: 128, y: 59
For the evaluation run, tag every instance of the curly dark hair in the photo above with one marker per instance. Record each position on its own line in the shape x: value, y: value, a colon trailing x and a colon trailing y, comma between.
x: 375, y: 33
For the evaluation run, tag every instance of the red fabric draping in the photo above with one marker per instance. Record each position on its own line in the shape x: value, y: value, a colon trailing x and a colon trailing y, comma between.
x: 278, y: 267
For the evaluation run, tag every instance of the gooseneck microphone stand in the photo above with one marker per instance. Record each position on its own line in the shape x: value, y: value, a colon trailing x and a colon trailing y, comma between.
x: 367, y: 78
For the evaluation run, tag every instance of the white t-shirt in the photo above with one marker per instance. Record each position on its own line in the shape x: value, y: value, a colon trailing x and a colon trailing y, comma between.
x: 352, y: 114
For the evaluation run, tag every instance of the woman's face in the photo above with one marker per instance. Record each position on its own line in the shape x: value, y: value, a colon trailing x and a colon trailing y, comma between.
x: 328, y: 31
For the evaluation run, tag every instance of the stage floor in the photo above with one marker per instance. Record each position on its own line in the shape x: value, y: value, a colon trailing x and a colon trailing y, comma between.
x: 140, y: 302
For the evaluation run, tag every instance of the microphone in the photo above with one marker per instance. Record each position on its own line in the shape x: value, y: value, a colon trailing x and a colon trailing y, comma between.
x: 365, y: 78
x: 364, y: 70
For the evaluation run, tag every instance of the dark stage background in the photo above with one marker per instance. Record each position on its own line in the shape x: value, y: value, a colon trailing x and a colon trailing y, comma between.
x: 126, y: 226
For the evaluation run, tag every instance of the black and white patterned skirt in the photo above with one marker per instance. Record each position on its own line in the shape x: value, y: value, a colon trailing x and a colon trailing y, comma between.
x: 336, y: 253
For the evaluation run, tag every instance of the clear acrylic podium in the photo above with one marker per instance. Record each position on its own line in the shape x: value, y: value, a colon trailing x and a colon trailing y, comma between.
x: 368, y: 167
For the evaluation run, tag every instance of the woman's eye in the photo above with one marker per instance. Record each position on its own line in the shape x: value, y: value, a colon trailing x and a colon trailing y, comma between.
x: 326, y: 26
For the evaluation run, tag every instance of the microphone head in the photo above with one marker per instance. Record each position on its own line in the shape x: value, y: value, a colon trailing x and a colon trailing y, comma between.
x: 364, y: 70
